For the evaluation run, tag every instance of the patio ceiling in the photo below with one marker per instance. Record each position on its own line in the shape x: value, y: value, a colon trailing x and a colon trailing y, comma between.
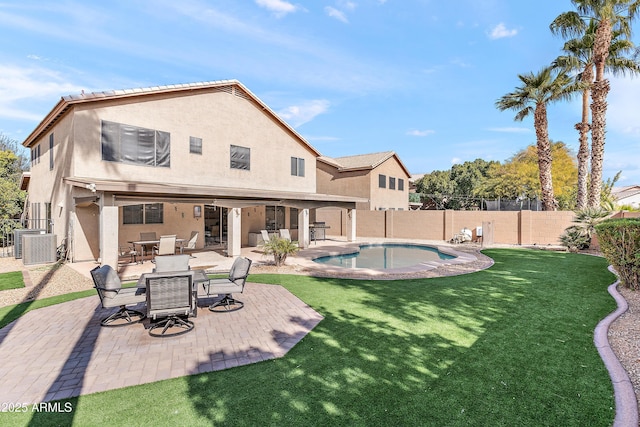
x: 128, y: 193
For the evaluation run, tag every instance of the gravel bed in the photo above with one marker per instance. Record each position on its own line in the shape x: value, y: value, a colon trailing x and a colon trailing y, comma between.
x: 624, y: 337
x: 42, y: 282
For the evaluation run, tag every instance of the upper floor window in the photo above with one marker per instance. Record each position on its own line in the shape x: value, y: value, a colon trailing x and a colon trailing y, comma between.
x: 382, y: 181
x: 195, y: 145
x: 392, y: 183
x: 240, y: 157
x: 131, y: 144
x: 400, y: 184
x: 35, y: 155
x: 51, y: 152
x: 297, y: 166
x: 152, y: 213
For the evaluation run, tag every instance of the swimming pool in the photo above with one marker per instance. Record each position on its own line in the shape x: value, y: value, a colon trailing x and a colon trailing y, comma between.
x: 386, y: 256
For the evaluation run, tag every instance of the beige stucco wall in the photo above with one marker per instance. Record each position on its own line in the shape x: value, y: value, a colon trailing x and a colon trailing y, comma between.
x: 350, y: 183
x: 46, y: 184
x: 220, y: 119
x: 384, y: 198
x: 364, y: 183
x: 178, y: 220
x: 514, y: 227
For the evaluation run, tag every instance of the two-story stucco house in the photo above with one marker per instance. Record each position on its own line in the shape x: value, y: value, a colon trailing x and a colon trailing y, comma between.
x: 379, y: 178
x: 207, y: 157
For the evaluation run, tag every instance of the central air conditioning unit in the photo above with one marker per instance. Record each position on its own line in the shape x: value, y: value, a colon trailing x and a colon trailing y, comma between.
x: 17, y: 239
x: 39, y: 248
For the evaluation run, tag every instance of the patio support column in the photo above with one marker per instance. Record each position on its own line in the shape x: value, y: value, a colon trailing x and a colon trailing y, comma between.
x: 234, y: 238
x: 351, y: 225
x: 303, y: 228
x: 108, y: 232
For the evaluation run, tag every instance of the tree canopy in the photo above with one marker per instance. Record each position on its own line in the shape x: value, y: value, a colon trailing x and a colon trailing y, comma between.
x: 518, y: 177
x: 11, y: 167
x: 466, y: 184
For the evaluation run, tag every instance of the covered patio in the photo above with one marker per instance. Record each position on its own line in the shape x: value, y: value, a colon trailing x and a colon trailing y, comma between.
x: 109, y: 196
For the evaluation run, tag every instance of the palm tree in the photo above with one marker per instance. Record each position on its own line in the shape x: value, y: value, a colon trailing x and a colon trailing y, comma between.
x: 578, y: 59
x: 538, y: 90
x: 610, y: 17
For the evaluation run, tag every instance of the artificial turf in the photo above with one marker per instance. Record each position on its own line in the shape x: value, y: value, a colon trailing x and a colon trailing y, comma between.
x: 11, y: 280
x: 507, y: 346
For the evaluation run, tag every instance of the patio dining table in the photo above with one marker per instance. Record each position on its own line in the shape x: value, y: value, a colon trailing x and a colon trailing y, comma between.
x: 144, y: 243
x: 199, y: 276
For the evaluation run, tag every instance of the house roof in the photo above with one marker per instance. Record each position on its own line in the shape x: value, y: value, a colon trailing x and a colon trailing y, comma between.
x: 362, y: 161
x: 624, y: 192
x: 67, y: 102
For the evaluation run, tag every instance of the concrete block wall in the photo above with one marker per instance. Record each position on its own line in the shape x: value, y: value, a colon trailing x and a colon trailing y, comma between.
x: 511, y: 227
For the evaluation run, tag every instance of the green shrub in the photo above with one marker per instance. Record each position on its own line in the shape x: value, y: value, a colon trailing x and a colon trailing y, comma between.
x: 575, y: 239
x: 280, y: 248
x: 578, y: 236
x: 620, y: 243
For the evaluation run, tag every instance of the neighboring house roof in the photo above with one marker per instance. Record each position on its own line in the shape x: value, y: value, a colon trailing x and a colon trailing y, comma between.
x: 362, y: 161
x: 416, y: 177
x: 621, y: 193
x: 66, y: 102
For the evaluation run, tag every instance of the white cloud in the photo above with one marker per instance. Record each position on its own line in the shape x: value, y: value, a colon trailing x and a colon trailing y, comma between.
x: 278, y: 7
x: 456, y: 160
x: 415, y: 132
x: 297, y: 115
x: 460, y: 63
x: 345, y: 4
x: 510, y: 130
x: 500, y: 31
x: 22, y: 88
x: 337, y: 14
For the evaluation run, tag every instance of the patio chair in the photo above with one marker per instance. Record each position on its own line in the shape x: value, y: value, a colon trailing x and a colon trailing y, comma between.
x: 284, y: 234
x: 193, y: 239
x: 167, y: 246
x: 169, y: 302
x: 224, y: 288
x: 265, y: 236
x: 129, y: 251
x: 111, y: 293
x: 165, y: 263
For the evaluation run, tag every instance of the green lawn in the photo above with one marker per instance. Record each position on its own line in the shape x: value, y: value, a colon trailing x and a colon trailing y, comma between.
x: 11, y: 280
x: 508, y: 346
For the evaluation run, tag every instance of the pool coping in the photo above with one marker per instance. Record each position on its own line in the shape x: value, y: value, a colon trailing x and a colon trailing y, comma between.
x: 306, y: 257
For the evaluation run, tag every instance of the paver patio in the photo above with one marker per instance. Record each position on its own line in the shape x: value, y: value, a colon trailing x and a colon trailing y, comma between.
x: 62, y: 351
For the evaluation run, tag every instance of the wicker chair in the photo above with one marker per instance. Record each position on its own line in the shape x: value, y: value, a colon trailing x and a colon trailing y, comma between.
x: 111, y: 293
x: 169, y: 302
x: 224, y: 288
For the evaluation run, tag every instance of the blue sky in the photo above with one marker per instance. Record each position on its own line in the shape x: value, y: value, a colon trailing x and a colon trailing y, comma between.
x: 419, y: 77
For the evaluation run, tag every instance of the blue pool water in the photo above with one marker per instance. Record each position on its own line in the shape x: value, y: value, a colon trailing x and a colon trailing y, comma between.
x: 385, y: 256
